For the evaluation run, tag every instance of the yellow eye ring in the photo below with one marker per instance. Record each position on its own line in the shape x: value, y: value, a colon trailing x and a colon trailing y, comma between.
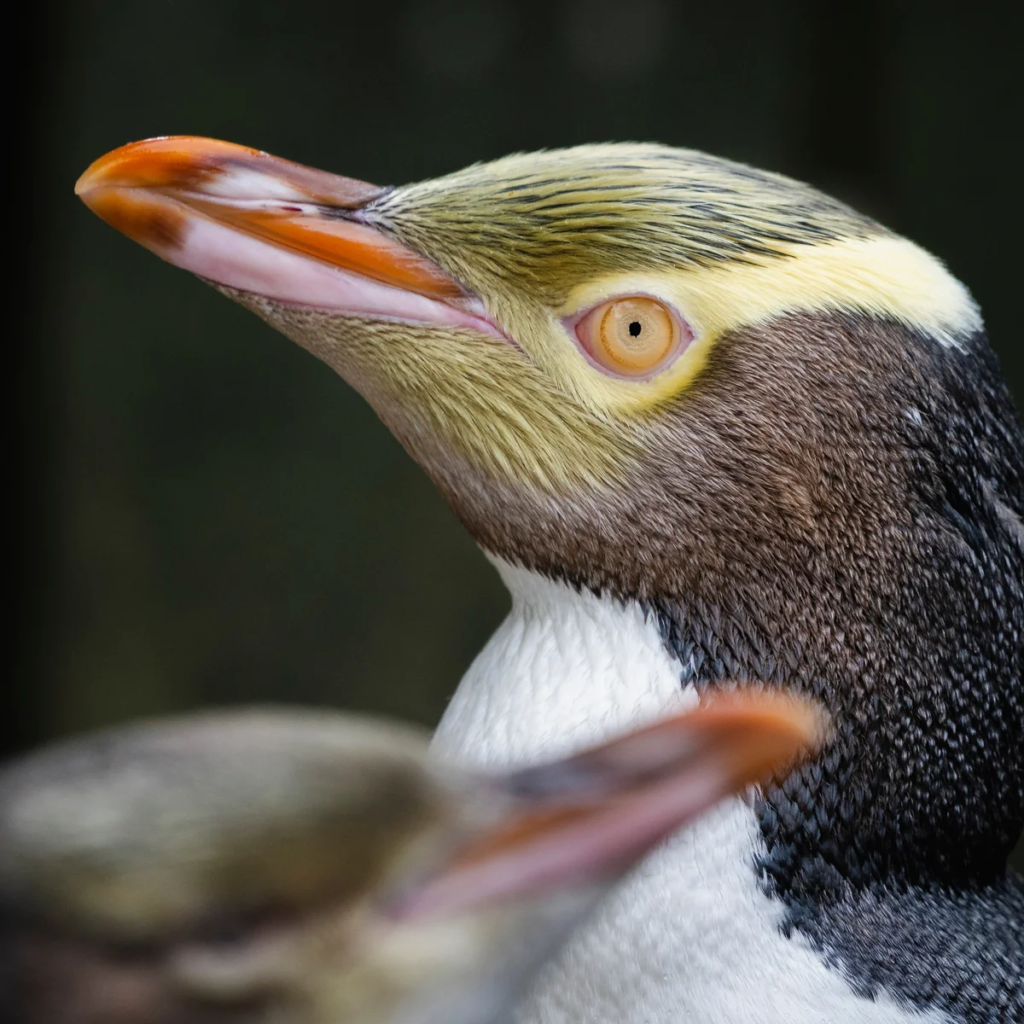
x: 633, y: 336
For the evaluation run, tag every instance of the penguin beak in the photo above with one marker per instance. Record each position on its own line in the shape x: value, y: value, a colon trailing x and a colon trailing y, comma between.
x: 253, y: 222
x: 588, y: 818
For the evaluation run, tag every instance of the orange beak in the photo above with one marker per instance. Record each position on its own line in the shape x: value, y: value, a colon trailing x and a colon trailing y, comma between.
x: 588, y: 818
x: 256, y: 223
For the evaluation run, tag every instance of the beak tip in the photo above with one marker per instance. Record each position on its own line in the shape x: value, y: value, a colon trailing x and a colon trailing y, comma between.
x: 812, y: 723
x: 84, y: 186
x: 801, y: 728
x: 90, y: 179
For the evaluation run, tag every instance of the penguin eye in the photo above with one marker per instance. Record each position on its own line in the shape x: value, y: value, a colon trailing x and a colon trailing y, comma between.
x: 634, y: 336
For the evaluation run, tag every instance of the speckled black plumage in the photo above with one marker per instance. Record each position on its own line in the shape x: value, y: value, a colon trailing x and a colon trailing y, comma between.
x: 956, y: 949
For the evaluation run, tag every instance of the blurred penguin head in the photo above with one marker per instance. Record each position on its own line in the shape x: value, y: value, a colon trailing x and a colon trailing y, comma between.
x: 313, y: 868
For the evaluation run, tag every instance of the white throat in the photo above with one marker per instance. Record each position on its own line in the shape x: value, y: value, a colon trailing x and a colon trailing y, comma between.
x: 689, y: 936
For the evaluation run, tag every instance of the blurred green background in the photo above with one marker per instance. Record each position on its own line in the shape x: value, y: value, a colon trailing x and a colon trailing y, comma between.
x: 202, y: 513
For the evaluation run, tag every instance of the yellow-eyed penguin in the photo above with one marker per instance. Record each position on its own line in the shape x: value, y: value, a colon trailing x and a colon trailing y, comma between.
x: 709, y: 424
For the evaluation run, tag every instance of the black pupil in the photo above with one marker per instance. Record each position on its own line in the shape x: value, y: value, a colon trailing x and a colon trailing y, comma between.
x: 634, y: 329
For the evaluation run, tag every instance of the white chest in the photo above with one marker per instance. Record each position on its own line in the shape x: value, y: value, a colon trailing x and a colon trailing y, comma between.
x: 689, y: 936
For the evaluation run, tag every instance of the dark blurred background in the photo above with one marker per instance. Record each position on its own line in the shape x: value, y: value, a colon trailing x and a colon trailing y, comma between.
x: 201, y: 512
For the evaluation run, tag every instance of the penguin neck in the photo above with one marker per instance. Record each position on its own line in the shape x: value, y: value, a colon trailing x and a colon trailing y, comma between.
x: 568, y: 667
x: 904, y: 793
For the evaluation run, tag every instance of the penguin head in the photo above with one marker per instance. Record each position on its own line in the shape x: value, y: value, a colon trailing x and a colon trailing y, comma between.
x: 574, y: 344
x: 252, y: 867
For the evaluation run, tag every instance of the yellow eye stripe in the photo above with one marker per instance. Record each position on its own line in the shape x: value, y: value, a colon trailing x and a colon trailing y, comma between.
x: 885, y: 276
x: 542, y: 238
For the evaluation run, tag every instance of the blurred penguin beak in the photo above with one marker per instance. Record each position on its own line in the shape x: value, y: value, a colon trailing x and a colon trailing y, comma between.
x: 588, y: 818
